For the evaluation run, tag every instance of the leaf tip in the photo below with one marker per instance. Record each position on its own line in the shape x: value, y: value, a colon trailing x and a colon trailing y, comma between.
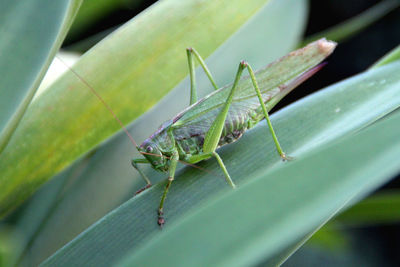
x: 326, y: 46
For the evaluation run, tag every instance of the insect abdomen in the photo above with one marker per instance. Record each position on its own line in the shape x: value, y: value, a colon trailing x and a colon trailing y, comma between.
x: 190, y: 139
x: 236, y: 123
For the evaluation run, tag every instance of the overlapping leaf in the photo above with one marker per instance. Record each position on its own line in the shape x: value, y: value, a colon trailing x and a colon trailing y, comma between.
x: 32, y: 32
x: 339, y: 110
x: 94, y: 192
x: 68, y: 120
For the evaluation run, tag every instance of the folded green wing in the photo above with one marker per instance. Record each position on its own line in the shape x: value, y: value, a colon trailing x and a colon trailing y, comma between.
x: 270, y: 80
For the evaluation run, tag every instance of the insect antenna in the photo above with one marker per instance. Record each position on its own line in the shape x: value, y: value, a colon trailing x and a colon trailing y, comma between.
x: 106, y: 105
x: 101, y: 100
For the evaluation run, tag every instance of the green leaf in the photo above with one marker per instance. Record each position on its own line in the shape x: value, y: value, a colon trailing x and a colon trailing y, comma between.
x: 91, y: 12
x: 281, y: 256
x: 302, y: 127
x: 392, y: 56
x: 84, y: 45
x: 68, y: 120
x: 348, y: 28
x: 31, y: 34
x: 264, y: 216
x: 34, y: 216
x: 94, y: 191
x: 330, y: 237
x: 381, y: 208
x: 9, y: 244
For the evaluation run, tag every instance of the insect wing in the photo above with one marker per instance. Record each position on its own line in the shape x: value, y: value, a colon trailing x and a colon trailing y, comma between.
x: 272, y: 80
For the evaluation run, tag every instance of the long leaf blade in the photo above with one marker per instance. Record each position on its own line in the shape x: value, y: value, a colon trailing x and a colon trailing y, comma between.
x: 65, y: 222
x: 118, y: 69
x: 338, y: 110
x: 269, y: 222
x: 31, y: 32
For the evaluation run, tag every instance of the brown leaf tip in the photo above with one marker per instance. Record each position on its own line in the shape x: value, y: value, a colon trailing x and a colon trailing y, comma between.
x: 326, y: 46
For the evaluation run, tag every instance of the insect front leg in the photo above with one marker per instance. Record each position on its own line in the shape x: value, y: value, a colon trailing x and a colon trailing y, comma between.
x: 193, y: 91
x: 271, y: 129
x: 145, y: 178
x: 174, y: 160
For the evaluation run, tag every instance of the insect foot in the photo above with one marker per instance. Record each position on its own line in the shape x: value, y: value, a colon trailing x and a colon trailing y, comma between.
x: 161, y: 220
x: 284, y: 157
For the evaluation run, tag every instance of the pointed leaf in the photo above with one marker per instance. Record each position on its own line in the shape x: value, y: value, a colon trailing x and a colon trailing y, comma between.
x: 338, y: 110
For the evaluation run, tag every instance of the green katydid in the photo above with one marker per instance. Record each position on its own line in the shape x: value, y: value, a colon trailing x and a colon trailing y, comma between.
x: 224, y: 115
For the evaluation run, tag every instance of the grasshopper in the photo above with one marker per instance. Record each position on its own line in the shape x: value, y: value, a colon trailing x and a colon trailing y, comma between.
x: 224, y: 115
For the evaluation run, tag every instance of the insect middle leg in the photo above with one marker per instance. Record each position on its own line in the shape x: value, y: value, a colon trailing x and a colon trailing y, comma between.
x: 193, y: 91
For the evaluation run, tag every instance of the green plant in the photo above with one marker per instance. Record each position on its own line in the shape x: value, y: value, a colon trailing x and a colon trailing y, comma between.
x: 132, y: 69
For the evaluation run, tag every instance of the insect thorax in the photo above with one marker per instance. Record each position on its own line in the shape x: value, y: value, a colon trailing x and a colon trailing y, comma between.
x: 190, y: 138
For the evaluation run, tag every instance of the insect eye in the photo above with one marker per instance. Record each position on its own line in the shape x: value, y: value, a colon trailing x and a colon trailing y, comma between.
x: 149, y: 149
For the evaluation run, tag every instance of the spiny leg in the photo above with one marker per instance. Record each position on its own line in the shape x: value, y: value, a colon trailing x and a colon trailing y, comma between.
x: 145, y: 178
x: 174, y: 160
x: 271, y: 129
x: 222, y: 165
x: 204, y: 156
x: 213, y: 135
x: 193, y: 91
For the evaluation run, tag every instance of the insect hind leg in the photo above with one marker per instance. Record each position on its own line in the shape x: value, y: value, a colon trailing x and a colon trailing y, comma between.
x: 204, y: 156
x: 264, y: 109
x: 222, y: 165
